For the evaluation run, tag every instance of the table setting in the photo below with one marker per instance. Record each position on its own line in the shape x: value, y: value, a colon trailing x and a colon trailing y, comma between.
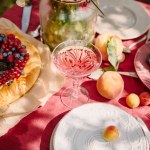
x: 87, y: 96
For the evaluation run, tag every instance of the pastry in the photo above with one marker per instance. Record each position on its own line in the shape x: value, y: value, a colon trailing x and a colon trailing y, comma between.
x: 20, y: 66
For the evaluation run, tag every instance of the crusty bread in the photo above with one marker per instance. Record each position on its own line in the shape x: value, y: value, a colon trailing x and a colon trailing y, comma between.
x: 23, y: 84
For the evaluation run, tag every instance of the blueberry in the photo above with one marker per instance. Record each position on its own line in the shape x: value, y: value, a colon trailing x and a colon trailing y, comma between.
x: 1, y: 50
x: 5, y: 39
x: 1, y: 73
x: 1, y: 39
x: 5, y: 54
x: 21, y: 58
x: 2, y: 35
x: 23, y: 53
x: 17, y: 55
x: 9, y: 53
x: 22, y: 71
x: 13, y: 49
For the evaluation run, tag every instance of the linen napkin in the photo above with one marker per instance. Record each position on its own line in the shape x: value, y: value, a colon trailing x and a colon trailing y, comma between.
x: 49, y: 82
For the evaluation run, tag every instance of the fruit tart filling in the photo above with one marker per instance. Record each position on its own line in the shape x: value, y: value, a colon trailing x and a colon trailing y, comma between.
x: 13, y: 58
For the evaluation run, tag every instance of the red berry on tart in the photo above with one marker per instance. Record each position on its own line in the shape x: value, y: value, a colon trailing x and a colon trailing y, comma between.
x: 9, y: 57
x: 20, y: 66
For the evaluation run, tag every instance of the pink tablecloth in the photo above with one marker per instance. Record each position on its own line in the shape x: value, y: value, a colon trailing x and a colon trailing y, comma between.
x: 34, y: 131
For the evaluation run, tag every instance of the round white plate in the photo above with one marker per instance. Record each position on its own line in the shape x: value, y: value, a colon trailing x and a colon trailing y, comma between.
x: 82, y: 128
x: 125, y: 18
x: 141, y: 66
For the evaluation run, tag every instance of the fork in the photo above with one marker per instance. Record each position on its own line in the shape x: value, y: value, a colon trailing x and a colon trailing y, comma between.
x: 129, y: 48
x: 148, y: 116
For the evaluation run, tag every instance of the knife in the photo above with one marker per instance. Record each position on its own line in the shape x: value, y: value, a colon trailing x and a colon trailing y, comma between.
x: 26, y: 17
x: 144, y: 128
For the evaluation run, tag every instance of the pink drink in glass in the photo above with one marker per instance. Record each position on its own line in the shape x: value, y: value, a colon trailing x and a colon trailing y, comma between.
x: 76, y: 61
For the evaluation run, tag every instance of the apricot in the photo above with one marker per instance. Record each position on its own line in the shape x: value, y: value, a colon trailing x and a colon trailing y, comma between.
x: 111, y: 133
x: 101, y: 43
x: 110, y: 84
x: 133, y: 100
x: 145, y: 98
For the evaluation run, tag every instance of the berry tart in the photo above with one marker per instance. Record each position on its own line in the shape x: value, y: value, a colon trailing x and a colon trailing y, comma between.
x: 20, y: 66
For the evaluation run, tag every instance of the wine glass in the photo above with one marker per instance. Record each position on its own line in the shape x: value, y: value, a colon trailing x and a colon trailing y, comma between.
x: 76, y: 59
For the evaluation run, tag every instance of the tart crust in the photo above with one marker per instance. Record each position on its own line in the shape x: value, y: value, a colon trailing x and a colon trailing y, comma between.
x: 23, y: 84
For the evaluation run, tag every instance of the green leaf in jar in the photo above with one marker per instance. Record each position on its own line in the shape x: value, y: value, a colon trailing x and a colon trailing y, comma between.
x: 111, y: 51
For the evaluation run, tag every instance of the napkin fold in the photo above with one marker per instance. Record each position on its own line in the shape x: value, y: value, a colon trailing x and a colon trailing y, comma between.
x: 49, y: 82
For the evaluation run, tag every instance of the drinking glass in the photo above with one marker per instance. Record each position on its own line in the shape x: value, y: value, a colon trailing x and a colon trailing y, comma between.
x: 76, y: 59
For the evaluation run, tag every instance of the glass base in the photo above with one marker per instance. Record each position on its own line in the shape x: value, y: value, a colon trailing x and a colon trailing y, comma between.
x: 72, y: 98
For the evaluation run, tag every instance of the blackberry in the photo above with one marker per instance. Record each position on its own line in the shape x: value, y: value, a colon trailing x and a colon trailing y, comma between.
x: 3, y: 66
x: 10, y: 65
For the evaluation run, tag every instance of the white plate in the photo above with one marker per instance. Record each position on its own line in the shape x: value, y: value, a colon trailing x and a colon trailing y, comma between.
x: 81, y: 129
x: 125, y: 18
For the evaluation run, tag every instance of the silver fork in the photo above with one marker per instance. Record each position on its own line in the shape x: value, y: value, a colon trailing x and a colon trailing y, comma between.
x: 148, y: 116
x: 129, y: 48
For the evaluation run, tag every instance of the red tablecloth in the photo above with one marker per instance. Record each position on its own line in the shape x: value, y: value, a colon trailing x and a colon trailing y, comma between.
x: 34, y: 131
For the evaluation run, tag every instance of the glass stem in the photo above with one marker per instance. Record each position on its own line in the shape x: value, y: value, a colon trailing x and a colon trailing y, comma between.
x: 76, y: 86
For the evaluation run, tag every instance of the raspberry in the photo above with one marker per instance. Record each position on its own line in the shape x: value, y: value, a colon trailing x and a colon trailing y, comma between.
x: 3, y: 46
x: 10, y: 36
x: 22, y: 50
x: 10, y: 58
x: 13, y: 57
x: 1, y: 56
x: 7, y: 50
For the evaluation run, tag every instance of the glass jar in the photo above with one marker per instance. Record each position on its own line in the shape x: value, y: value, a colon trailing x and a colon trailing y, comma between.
x: 67, y: 20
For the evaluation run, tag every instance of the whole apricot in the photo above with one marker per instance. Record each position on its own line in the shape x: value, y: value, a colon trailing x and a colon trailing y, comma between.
x: 111, y: 133
x: 101, y: 42
x: 110, y: 84
x: 145, y: 98
x: 133, y: 100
